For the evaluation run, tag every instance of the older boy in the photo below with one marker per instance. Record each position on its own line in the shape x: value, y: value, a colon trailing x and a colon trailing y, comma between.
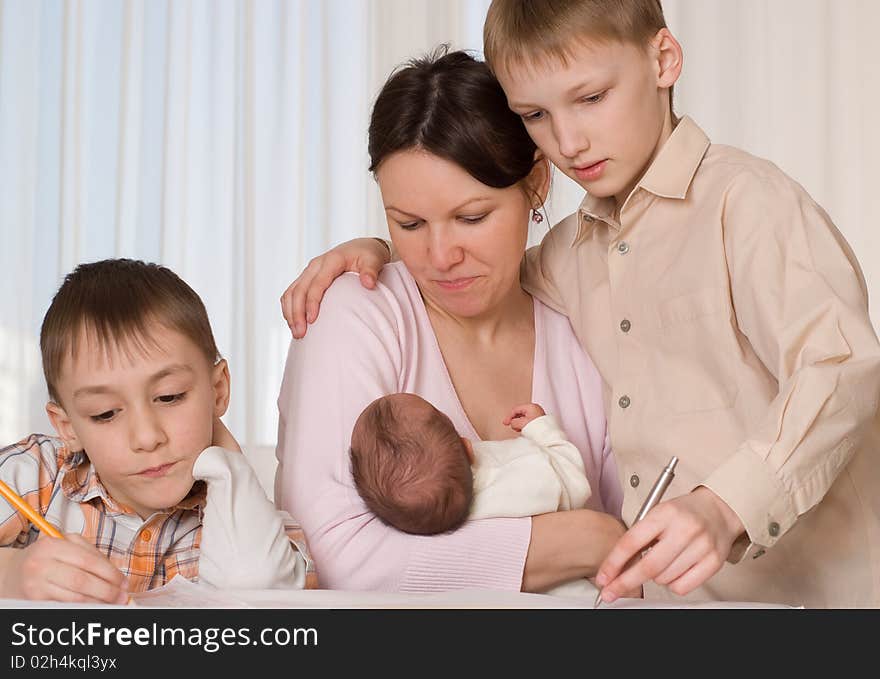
x: 725, y: 312
x: 136, y: 390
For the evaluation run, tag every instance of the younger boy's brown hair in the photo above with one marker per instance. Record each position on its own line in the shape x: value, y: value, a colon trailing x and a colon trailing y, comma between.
x: 114, y: 302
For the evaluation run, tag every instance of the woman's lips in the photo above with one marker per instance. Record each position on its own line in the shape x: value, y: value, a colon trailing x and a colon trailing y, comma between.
x: 456, y: 283
x: 589, y: 173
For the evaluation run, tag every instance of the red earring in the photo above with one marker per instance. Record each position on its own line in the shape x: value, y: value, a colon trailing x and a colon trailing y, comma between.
x: 537, y: 217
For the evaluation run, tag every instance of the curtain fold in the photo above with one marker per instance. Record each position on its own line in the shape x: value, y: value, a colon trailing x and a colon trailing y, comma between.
x: 227, y: 140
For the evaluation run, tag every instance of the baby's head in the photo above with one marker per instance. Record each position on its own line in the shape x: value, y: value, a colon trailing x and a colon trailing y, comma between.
x: 410, y: 465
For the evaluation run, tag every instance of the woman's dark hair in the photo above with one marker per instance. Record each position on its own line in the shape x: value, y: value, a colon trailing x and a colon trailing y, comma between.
x: 450, y: 105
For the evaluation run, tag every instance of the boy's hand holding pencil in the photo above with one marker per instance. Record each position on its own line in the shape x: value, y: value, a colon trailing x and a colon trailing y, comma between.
x: 57, y: 567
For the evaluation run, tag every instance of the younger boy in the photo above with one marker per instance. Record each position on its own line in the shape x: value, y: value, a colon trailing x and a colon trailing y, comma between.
x: 416, y: 473
x: 727, y: 316
x: 137, y: 389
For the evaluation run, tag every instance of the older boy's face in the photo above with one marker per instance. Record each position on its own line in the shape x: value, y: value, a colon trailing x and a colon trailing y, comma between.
x: 600, y: 119
x: 143, y: 415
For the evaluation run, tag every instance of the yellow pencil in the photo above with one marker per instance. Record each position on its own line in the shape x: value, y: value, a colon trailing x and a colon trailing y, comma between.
x: 34, y: 516
x: 45, y: 527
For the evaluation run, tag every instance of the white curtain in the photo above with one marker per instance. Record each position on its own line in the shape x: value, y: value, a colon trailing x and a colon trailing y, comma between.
x: 227, y: 140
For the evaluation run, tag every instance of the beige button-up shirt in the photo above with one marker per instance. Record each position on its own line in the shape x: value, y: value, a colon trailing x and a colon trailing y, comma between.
x: 729, y: 320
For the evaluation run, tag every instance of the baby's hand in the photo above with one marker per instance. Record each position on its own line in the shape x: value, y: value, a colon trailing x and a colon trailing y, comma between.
x: 70, y: 570
x: 520, y: 416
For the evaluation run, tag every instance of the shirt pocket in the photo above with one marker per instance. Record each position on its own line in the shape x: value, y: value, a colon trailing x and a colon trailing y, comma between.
x: 697, y: 352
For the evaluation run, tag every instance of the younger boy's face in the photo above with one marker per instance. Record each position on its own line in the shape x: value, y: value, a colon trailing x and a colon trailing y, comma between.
x: 601, y: 118
x: 143, y: 415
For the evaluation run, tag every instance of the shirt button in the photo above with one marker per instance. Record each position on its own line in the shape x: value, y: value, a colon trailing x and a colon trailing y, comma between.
x: 587, y: 218
x: 625, y: 325
x: 634, y: 481
x: 146, y: 535
x: 773, y: 529
x: 623, y: 247
x: 760, y: 552
x: 623, y: 402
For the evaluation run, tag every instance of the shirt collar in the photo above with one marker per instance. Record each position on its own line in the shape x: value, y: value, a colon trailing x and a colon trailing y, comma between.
x: 668, y: 176
x: 82, y: 484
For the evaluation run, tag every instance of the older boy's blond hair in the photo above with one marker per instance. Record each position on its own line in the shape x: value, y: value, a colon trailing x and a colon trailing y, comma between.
x: 524, y: 32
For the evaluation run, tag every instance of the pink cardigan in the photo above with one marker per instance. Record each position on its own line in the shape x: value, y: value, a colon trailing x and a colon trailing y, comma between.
x: 367, y: 343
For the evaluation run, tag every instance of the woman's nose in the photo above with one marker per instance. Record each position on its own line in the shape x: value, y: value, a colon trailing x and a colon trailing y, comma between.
x: 443, y: 250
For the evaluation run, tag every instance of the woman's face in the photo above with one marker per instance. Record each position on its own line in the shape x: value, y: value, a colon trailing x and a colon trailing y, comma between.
x: 461, y: 240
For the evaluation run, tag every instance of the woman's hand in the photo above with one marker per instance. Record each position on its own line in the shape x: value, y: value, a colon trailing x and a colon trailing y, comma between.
x: 56, y: 569
x: 568, y: 545
x: 301, y: 301
x: 688, y: 539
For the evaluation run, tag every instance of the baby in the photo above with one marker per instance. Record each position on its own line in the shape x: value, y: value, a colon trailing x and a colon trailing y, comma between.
x: 416, y: 473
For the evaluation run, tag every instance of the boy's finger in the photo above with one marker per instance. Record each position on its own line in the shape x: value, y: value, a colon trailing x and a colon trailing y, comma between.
x: 298, y: 307
x: 631, y: 544
x: 287, y: 302
x: 368, y: 280
x: 369, y: 268
x: 640, y: 571
x: 691, y: 555
x: 85, y: 557
x: 694, y: 577
x: 76, y: 586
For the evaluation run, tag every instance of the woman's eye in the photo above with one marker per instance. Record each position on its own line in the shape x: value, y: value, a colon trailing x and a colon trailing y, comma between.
x: 409, y: 226
x: 533, y: 116
x: 106, y: 416
x: 473, y: 219
x: 171, y: 398
x: 594, y: 98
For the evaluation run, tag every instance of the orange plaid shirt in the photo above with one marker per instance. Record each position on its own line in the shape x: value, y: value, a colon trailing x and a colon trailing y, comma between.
x: 64, y: 487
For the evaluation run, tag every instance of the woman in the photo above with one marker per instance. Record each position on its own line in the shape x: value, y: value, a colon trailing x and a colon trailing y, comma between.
x: 459, y: 178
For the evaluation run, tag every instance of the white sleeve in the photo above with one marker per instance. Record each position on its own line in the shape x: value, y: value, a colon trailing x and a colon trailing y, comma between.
x: 564, y: 457
x: 244, y: 544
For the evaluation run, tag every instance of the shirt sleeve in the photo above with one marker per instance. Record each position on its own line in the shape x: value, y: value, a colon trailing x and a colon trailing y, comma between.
x: 350, y: 356
x: 244, y: 544
x: 30, y: 468
x: 565, y: 459
x: 801, y: 301
x: 541, y: 262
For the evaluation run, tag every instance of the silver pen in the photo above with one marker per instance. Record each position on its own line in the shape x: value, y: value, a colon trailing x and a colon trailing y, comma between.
x: 657, y: 490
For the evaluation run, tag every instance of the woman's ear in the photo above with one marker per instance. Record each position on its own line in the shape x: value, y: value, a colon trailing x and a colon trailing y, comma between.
x: 61, y: 423
x: 538, y: 181
x: 220, y: 383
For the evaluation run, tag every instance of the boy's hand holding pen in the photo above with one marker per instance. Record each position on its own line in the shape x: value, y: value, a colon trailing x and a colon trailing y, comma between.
x: 654, y: 497
x: 689, y: 537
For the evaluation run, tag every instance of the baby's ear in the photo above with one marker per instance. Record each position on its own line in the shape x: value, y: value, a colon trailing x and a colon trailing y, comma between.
x: 63, y: 426
x: 220, y: 382
x: 469, y: 449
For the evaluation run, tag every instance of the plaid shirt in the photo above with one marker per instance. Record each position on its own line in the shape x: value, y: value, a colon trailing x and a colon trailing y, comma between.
x: 64, y: 487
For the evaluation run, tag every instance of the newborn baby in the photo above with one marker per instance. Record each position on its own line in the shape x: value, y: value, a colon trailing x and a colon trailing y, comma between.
x: 416, y: 473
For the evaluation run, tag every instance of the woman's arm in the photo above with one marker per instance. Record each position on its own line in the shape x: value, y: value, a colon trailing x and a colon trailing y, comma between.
x: 568, y: 545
